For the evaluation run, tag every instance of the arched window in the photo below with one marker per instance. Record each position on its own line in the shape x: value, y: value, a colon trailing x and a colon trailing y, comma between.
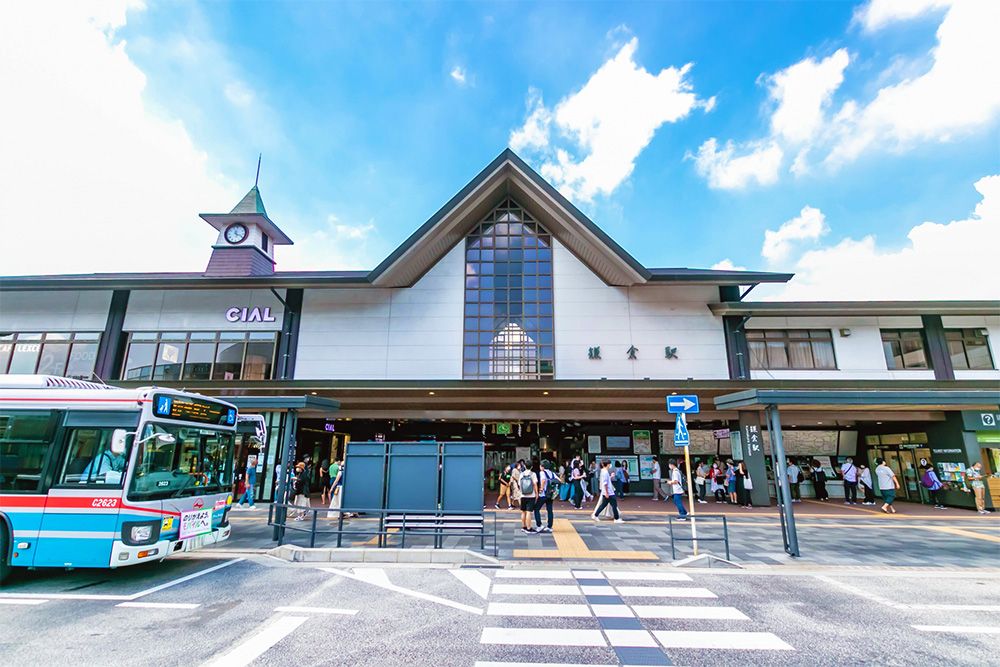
x: 508, y: 298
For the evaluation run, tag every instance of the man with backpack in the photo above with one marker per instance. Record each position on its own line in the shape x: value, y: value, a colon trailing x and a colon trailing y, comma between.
x: 528, y: 485
x: 548, y: 490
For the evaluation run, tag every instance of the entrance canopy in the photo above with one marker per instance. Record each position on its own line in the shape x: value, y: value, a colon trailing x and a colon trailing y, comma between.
x: 834, y: 399
x: 305, y: 406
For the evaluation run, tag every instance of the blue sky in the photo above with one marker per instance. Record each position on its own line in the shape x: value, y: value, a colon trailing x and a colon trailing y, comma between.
x: 371, y: 115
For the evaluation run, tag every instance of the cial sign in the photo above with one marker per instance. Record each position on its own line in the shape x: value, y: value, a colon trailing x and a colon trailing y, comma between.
x: 255, y: 314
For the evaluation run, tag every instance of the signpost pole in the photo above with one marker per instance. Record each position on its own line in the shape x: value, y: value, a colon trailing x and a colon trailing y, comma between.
x: 694, y: 528
x: 778, y: 455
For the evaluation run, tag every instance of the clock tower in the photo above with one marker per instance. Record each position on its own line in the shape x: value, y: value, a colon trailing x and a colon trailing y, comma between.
x: 247, y: 237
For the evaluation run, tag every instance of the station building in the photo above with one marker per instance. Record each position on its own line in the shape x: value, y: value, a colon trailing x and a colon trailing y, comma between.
x: 511, y: 318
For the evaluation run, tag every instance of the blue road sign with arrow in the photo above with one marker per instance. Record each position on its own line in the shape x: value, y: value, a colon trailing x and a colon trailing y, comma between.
x: 683, y: 405
x: 682, y: 438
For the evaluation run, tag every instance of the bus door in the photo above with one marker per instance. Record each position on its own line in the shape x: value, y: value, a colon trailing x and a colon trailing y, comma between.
x: 81, y: 512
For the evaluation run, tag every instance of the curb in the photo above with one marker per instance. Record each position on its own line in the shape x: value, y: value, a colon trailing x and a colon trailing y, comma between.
x: 297, y: 554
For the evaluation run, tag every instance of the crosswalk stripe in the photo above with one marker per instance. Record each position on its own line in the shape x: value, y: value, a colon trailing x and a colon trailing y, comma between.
x: 664, y: 592
x: 159, y: 605
x: 542, y: 637
x: 631, y: 575
x: 22, y: 601
x: 720, y: 640
x: 689, y: 611
x: 535, y: 609
x: 536, y: 589
x: 598, y: 590
x: 533, y: 574
x: 963, y: 629
x: 480, y: 663
x: 640, y: 638
x: 612, y: 611
x: 588, y: 574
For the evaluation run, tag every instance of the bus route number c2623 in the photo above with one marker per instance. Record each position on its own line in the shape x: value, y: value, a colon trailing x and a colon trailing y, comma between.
x: 110, y: 503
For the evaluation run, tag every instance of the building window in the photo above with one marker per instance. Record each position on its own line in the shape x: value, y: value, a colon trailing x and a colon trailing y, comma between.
x: 904, y: 348
x: 969, y: 349
x: 64, y: 354
x: 199, y: 355
x: 776, y: 349
x: 508, y: 298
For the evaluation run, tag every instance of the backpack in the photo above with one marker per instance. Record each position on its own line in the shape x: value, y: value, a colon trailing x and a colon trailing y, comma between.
x: 551, y: 486
x: 926, y: 480
x: 527, y: 483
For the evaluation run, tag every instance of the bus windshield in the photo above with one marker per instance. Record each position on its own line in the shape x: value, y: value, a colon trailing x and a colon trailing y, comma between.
x: 199, y: 462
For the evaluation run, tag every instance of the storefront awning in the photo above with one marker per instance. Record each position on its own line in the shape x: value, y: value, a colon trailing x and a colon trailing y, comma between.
x: 818, y: 399
x: 306, y: 405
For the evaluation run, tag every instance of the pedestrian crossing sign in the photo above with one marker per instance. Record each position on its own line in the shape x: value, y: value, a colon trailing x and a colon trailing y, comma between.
x: 682, y: 438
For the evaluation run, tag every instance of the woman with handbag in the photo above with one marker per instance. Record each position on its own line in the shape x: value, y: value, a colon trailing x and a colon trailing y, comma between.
x: 744, y: 485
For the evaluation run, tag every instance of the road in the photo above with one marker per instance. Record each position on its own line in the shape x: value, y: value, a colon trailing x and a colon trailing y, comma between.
x: 260, y: 611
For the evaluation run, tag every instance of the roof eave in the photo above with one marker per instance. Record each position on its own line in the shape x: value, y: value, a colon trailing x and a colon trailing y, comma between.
x: 854, y: 308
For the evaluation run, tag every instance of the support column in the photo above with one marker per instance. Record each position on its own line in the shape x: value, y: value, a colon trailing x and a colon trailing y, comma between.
x: 752, y: 443
x: 937, y: 347
x: 288, y: 344
x: 737, y: 350
x: 291, y: 421
x: 779, y: 464
x: 111, y: 349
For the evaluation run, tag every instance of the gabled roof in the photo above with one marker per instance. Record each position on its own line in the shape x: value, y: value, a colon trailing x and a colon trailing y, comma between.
x: 509, y: 176
x: 250, y: 209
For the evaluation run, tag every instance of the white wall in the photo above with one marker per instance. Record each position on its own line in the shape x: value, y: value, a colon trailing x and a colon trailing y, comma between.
x: 402, y: 334
x: 992, y: 326
x: 859, y: 356
x: 590, y: 313
x: 55, y: 311
x: 198, y: 310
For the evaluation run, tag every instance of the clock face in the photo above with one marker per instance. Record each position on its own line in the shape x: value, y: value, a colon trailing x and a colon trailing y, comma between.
x: 236, y: 232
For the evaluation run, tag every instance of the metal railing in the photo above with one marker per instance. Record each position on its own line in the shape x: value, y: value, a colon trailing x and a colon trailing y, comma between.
x: 385, y: 523
x: 692, y: 521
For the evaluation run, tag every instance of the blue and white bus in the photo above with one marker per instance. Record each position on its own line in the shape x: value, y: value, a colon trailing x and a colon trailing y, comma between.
x: 99, y: 476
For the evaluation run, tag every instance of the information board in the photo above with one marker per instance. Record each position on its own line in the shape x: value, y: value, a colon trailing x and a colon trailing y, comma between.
x: 197, y: 410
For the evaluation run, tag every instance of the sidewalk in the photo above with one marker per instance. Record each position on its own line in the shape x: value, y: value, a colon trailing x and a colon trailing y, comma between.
x: 828, y: 535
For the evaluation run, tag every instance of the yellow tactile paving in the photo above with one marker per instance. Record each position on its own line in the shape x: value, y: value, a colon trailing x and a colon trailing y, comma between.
x: 570, y: 545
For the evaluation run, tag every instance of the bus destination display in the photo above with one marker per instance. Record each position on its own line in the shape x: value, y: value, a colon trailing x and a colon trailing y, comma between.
x: 193, y: 410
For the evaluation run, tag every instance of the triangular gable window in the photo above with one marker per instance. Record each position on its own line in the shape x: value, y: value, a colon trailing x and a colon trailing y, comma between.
x: 508, y: 298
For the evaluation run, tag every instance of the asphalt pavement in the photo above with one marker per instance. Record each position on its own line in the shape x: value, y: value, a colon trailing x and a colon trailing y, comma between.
x: 258, y: 610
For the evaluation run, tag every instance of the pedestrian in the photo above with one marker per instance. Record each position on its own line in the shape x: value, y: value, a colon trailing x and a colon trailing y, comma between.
x: 336, y: 491
x: 250, y: 481
x: 974, y: 478
x: 731, y: 481
x: 658, y: 493
x: 718, y: 482
x: 577, y: 486
x: 932, y: 483
x: 515, y: 483
x: 528, y: 483
x: 743, y: 485
x: 887, y: 485
x: 626, y: 480
x: 548, y: 489
x: 300, y: 487
x: 504, y: 479
x: 794, y: 475
x: 590, y: 480
x: 324, y: 481
x: 619, y: 479
x: 819, y: 481
x: 700, y: 484
x: 865, y: 479
x: 607, y: 490
x: 850, y: 474
x: 677, y: 489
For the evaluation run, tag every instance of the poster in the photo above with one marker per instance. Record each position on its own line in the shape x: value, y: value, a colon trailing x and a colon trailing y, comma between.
x: 593, y: 444
x: 619, y: 442
x: 631, y: 464
x: 642, y: 442
x: 666, y: 440
x: 522, y: 453
x: 646, y: 467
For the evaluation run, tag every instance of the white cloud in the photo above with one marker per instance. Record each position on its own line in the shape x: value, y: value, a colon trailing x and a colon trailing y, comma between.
x: 802, y: 93
x: 955, y: 260
x: 458, y: 74
x: 335, y: 245
x: 727, y: 170
x: 727, y: 265
x: 808, y: 225
x: 589, y: 142
x: 93, y: 181
x: 879, y: 13
x: 239, y: 93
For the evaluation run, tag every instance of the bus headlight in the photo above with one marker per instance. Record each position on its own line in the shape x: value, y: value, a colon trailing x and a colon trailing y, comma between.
x: 140, y: 533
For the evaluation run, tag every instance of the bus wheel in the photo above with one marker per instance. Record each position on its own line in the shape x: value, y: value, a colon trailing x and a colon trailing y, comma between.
x: 5, y: 566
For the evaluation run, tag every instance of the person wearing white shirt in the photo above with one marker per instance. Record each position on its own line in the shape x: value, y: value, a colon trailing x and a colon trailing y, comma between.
x: 850, y: 474
x: 794, y: 473
x: 865, y: 477
x: 657, y: 482
x: 887, y: 485
x: 677, y: 489
x: 607, y: 490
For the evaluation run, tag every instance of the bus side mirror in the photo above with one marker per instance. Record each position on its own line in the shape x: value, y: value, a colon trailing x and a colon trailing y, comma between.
x: 118, y: 437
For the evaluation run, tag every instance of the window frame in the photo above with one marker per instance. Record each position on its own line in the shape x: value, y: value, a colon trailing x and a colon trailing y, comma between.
x: 185, y: 339
x: 886, y: 337
x: 963, y: 335
x: 784, y: 338
x: 69, y: 339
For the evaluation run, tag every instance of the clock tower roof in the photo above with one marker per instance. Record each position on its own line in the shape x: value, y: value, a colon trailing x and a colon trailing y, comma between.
x: 249, y: 211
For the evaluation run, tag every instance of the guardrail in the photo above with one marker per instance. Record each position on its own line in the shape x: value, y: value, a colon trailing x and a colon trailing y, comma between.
x: 438, y: 523
x: 692, y: 520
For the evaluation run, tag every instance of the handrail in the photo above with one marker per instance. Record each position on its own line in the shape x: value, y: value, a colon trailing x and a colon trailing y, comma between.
x: 382, y: 532
x: 700, y: 538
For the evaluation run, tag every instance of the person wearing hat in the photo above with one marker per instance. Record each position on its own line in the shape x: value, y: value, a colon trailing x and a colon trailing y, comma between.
x: 301, y: 488
x: 548, y: 489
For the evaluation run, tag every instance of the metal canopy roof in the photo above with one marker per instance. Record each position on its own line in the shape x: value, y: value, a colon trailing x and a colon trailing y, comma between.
x: 866, y: 399
x: 304, y: 403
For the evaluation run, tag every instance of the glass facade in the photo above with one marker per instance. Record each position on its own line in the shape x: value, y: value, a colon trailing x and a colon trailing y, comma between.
x: 508, y: 298
x: 65, y: 354
x: 904, y: 348
x: 969, y: 349
x: 778, y: 349
x: 200, y: 355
